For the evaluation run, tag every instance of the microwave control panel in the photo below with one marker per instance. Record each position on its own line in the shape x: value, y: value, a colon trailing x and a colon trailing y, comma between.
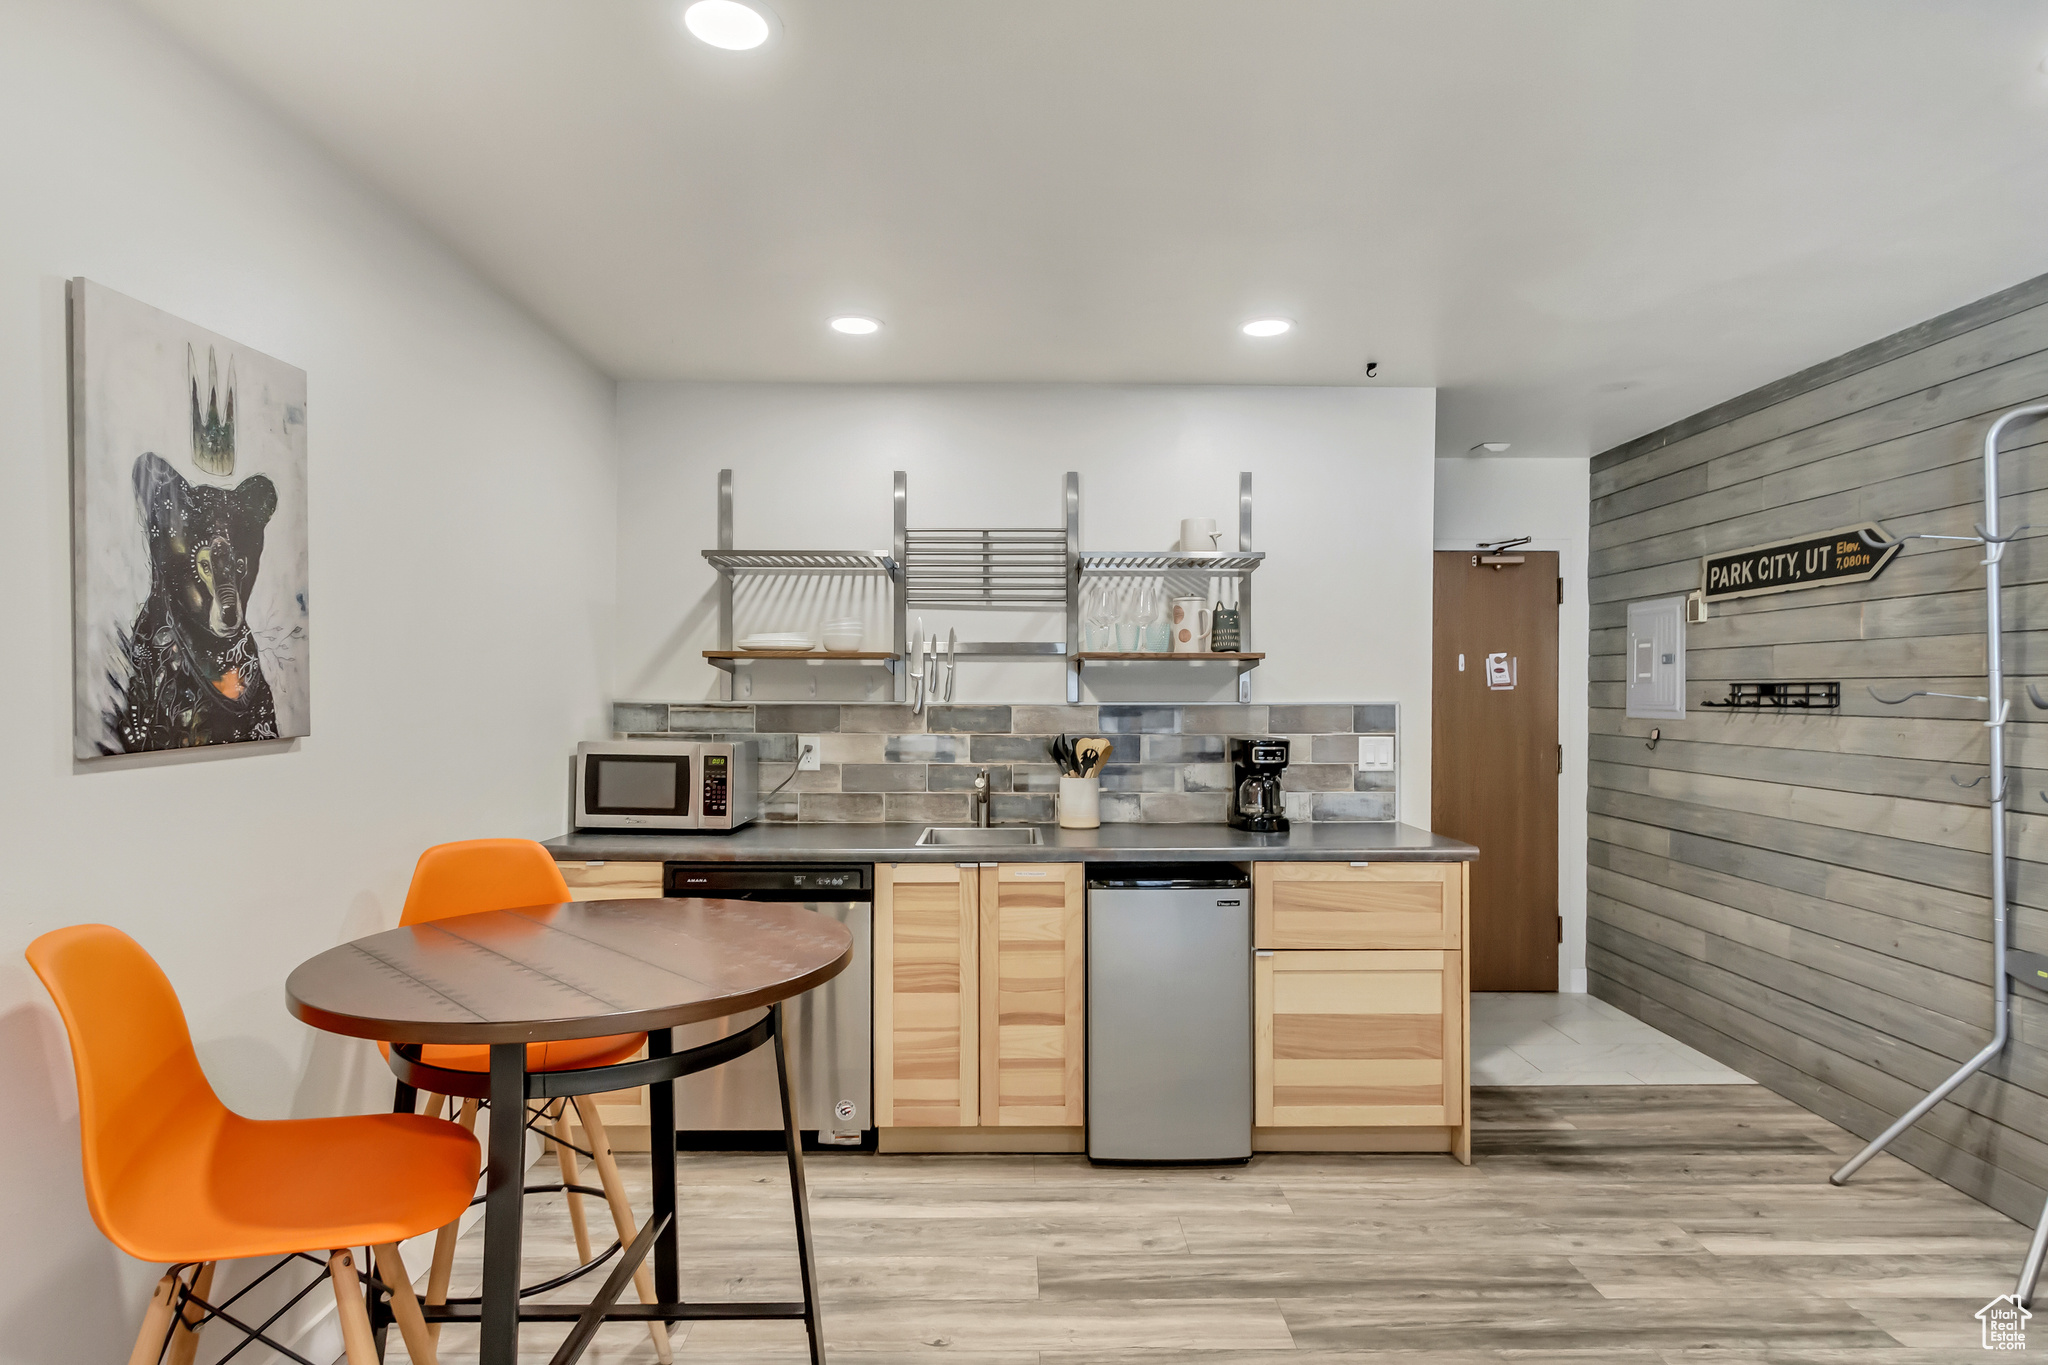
x: 717, y: 785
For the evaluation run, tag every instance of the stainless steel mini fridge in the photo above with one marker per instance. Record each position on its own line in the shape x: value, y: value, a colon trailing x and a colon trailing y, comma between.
x: 1169, y: 1013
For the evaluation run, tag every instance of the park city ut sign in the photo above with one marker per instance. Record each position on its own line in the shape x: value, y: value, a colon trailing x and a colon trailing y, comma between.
x: 1813, y: 561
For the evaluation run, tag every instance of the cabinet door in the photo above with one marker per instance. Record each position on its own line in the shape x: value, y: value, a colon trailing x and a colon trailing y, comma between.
x: 926, y: 982
x: 1033, y: 1037
x: 1359, y: 1039
x: 1358, y: 905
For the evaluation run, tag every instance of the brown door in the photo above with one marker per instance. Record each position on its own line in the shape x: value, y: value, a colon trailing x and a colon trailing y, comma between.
x: 1494, y: 758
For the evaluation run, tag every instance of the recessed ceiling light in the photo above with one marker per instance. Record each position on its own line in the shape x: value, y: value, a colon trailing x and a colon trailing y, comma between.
x: 1489, y: 447
x: 727, y: 24
x: 856, y: 326
x: 1268, y: 327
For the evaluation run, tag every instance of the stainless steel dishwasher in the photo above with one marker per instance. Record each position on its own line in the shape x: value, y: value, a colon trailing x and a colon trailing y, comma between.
x: 1169, y: 1013
x: 831, y: 1029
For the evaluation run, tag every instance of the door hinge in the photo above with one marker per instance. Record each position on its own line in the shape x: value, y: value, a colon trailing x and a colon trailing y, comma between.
x: 1560, y: 591
x: 1560, y: 758
x: 1560, y: 928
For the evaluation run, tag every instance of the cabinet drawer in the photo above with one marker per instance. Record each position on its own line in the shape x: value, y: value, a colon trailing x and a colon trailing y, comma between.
x: 1359, y: 1039
x: 611, y: 881
x: 1335, y: 905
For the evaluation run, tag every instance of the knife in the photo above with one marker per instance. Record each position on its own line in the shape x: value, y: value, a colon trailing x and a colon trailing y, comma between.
x: 917, y: 669
x: 952, y: 659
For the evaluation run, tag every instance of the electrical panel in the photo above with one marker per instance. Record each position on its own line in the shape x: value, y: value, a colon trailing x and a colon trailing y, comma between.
x: 1656, y: 659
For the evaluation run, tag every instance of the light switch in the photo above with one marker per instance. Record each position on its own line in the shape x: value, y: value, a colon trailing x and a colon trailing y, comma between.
x: 1375, y: 753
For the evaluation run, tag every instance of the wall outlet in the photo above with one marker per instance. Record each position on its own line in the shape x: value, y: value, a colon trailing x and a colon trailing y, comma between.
x: 1375, y: 753
x: 810, y: 752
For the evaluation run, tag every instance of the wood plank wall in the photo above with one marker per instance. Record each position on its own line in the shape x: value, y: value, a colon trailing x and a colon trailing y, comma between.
x: 1807, y: 897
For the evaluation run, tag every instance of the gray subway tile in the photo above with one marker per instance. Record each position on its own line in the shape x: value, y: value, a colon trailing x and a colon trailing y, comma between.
x: 959, y: 777
x: 1183, y: 808
x: 1309, y: 720
x: 781, y: 808
x: 841, y: 808
x: 824, y: 778
x: 708, y: 718
x: 1317, y: 777
x: 1298, y: 807
x: 1375, y: 718
x: 1137, y: 777
x: 1134, y: 720
x: 1121, y: 808
x: 1354, y: 805
x: 1021, y: 808
x: 772, y: 748
x: 1055, y: 720
x: 1009, y: 749
x: 1333, y: 749
x: 929, y: 809
x: 640, y: 717
x: 882, y: 777
x: 968, y: 720
x: 1224, y: 720
x: 890, y: 719
x: 1184, y: 748
x: 807, y: 720
x: 925, y: 748
x: 1373, y: 782
x: 1206, y: 777
x: 1035, y: 777
x: 851, y: 748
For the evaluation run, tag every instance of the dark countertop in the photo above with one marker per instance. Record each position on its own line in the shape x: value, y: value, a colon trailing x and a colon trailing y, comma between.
x: 1110, y: 844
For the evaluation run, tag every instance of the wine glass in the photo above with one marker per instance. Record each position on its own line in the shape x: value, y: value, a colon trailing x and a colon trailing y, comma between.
x: 1100, y: 611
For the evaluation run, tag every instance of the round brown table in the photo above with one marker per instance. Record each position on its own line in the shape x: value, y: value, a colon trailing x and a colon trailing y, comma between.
x: 583, y: 969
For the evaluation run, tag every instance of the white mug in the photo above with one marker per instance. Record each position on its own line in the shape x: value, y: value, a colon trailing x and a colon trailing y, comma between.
x: 1189, y: 620
x: 1198, y: 533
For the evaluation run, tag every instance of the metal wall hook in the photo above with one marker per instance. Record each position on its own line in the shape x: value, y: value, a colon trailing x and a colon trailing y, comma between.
x: 1881, y: 543
x: 1655, y: 735
x: 2003, y: 786
x: 1901, y: 701
x: 2034, y: 695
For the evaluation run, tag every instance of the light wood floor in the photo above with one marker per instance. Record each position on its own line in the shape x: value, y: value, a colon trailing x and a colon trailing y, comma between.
x: 1684, y: 1225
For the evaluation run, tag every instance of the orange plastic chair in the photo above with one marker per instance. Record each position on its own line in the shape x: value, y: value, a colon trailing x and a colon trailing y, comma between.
x: 173, y: 1175
x: 468, y: 878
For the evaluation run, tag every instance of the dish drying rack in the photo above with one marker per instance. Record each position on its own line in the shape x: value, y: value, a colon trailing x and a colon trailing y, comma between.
x: 1028, y: 569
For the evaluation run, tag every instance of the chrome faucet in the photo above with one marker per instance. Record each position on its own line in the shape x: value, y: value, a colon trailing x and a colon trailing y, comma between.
x: 981, y: 799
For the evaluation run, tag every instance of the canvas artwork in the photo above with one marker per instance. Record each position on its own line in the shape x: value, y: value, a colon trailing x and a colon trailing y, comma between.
x: 189, y: 534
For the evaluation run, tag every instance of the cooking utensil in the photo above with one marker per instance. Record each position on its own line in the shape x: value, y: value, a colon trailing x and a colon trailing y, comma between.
x: 1092, y: 754
x: 1062, y: 750
x: 917, y: 670
x: 952, y: 659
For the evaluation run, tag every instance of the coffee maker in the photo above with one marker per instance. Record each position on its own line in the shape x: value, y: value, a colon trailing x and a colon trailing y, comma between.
x: 1255, y: 768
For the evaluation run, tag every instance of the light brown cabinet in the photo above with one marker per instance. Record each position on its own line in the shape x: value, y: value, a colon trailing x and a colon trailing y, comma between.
x: 979, y: 992
x: 1360, y: 1006
x: 1033, y: 1035
x: 927, y: 985
x: 611, y: 881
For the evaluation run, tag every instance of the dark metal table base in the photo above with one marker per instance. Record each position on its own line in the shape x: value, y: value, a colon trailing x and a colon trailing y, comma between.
x: 507, y: 1087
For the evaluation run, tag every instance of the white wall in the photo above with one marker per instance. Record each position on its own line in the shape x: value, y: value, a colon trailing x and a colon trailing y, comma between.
x: 462, y: 511
x: 1495, y: 499
x: 1342, y: 483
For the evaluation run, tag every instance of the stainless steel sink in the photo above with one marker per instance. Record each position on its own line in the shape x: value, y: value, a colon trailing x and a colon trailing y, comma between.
x: 1006, y: 836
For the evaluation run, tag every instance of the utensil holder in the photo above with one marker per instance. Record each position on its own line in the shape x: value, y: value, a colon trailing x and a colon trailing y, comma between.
x: 1080, y: 802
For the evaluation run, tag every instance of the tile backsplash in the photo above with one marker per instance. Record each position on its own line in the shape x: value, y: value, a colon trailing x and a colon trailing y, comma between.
x: 879, y: 762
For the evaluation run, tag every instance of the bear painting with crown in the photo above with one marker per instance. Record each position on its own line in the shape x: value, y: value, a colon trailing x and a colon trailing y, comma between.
x: 191, y: 665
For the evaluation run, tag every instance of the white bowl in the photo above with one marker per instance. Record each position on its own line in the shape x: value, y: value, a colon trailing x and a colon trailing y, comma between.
x: 843, y: 641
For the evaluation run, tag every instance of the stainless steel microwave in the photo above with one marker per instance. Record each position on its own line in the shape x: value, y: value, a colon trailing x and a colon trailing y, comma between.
x: 662, y: 784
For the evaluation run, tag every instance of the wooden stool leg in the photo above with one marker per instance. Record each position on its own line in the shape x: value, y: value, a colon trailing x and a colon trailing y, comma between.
x: 434, y: 1103
x: 622, y: 1212
x: 443, y: 1266
x: 185, y: 1341
x: 149, y: 1342
x: 355, y: 1314
x: 419, y: 1343
x: 565, y: 1157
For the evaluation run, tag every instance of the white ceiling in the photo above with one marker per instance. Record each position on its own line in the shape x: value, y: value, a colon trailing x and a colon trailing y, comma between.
x: 1581, y: 220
